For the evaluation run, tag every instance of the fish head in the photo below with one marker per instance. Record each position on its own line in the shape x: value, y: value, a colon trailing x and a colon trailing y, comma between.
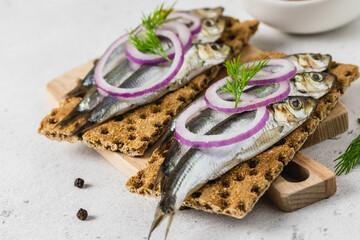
x: 306, y: 62
x: 294, y: 110
x: 315, y: 84
x: 207, y: 12
x: 211, y: 29
x: 214, y: 52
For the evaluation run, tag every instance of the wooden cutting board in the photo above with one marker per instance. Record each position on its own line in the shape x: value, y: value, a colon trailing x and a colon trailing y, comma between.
x: 304, y: 181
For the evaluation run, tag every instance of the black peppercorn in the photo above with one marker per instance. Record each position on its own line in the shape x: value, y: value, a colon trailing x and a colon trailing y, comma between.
x: 79, y: 182
x: 82, y: 214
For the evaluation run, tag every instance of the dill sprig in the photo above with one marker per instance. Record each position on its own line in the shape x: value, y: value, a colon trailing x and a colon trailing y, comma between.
x: 240, y: 76
x: 157, y: 18
x: 350, y: 158
x: 147, y: 41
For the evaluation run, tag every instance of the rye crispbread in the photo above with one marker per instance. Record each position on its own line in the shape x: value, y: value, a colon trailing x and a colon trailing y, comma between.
x: 133, y: 132
x: 236, y: 192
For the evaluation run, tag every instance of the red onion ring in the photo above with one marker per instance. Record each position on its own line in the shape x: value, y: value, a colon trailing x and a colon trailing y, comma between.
x: 195, y: 28
x: 135, y: 92
x: 141, y: 58
x: 287, y: 71
x: 188, y: 138
x: 181, y: 31
x: 214, y: 101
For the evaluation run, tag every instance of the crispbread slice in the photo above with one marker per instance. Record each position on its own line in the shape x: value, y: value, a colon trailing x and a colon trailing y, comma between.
x: 236, y: 192
x: 133, y: 132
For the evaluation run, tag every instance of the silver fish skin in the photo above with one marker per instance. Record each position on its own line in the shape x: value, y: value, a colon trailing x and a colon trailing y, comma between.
x: 200, y: 124
x: 211, y: 30
x: 310, y: 62
x: 197, y: 59
x: 169, y: 133
x: 115, y: 77
x: 198, y: 166
x: 93, y: 96
x: 88, y: 81
x: 118, y: 69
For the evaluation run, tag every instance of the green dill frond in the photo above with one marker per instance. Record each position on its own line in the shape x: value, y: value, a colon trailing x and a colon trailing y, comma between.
x: 157, y: 18
x: 240, y: 76
x: 147, y: 41
x: 350, y: 158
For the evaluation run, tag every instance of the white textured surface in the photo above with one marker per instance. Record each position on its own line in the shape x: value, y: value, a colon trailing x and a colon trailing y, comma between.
x: 42, y: 39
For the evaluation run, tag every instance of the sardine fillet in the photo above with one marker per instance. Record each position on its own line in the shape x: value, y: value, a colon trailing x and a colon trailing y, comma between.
x: 136, y: 130
x: 236, y: 192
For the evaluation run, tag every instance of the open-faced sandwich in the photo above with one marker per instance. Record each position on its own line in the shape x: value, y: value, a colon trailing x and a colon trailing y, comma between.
x: 222, y: 146
x: 149, y: 91
x: 277, y: 104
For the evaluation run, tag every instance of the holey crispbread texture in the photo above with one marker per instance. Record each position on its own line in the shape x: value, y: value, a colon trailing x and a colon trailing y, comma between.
x: 236, y: 192
x: 132, y: 133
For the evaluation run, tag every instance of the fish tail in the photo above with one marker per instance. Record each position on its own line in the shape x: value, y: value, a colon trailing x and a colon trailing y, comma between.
x: 78, y: 91
x: 160, y: 215
x: 163, y: 182
x: 83, y: 85
x: 71, y: 117
x: 157, y: 181
x: 166, y: 137
x: 93, y: 118
x: 82, y: 128
x: 171, y: 218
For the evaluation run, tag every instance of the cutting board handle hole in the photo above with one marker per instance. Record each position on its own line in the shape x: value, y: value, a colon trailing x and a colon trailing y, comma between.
x: 293, y: 172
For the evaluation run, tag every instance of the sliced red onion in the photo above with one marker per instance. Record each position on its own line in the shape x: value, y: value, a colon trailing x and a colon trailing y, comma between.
x: 117, y: 55
x: 181, y: 31
x: 285, y: 69
x: 188, y: 138
x: 134, y: 92
x: 141, y: 58
x: 195, y: 27
x: 247, y: 101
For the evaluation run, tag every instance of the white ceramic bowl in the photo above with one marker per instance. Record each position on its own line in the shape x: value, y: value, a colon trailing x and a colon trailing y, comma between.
x: 303, y: 17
